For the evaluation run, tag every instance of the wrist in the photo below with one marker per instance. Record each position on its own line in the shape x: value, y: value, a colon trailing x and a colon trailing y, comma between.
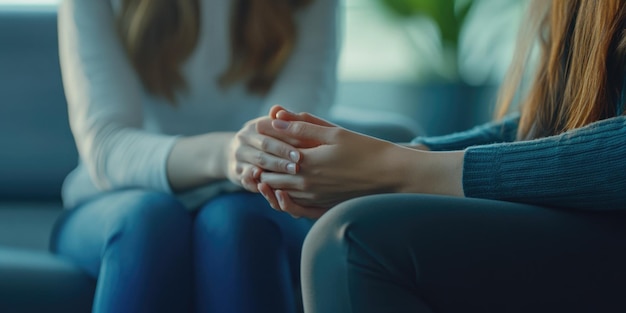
x: 223, y: 158
x: 214, y: 155
x: 428, y: 172
x: 197, y: 160
x: 398, y: 172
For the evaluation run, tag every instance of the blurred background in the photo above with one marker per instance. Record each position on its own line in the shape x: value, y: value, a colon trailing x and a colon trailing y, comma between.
x: 432, y: 66
x: 396, y: 64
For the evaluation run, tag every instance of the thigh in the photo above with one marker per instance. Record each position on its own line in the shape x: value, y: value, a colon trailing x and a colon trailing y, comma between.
x: 247, y: 256
x: 138, y: 217
x: 461, y: 255
x: 246, y: 216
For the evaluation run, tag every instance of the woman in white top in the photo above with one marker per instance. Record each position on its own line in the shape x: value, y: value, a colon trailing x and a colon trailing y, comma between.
x: 164, y: 100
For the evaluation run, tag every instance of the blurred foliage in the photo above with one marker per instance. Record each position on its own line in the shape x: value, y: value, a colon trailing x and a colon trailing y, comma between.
x: 448, y: 15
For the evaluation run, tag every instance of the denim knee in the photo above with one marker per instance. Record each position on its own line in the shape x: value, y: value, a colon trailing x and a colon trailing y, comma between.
x: 237, y: 214
x: 130, y: 222
x: 146, y: 214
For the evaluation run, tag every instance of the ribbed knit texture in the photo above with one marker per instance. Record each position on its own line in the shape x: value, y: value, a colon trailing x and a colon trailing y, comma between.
x: 504, y: 130
x: 583, y: 168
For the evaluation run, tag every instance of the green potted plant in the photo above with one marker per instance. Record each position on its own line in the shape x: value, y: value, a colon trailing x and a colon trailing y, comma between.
x: 448, y: 16
x: 445, y: 103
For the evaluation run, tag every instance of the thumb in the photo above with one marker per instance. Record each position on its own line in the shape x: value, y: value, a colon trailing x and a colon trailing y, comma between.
x: 306, y: 131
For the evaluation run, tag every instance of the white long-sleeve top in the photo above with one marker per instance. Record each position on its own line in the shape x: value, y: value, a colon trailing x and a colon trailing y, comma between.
x: 124, y: 135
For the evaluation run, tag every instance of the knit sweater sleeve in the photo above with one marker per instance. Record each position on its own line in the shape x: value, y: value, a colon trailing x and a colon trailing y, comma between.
x: 504, y: 130
x: 584, y: 169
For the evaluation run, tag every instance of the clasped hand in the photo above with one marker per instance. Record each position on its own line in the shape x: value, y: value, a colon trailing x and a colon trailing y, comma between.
x: 333, y: 164
x: 253, y: 149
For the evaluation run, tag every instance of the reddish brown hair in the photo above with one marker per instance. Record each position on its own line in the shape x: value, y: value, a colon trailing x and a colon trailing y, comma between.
x: 159, y: 35
x: 580, y: 72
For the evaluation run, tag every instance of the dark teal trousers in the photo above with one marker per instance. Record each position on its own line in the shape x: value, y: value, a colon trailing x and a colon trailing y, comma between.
x: 431, y: 254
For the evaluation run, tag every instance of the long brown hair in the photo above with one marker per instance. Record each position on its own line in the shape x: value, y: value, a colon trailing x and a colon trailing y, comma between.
x: 159, y: 35
x: 579, y: 76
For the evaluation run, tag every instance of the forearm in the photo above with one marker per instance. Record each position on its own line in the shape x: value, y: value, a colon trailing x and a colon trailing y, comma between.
x: 347, y: 165
x: 198, y: 160
x: 418, y: 171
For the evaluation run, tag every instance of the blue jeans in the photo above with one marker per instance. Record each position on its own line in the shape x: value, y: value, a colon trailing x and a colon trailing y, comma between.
x: 149, y: 254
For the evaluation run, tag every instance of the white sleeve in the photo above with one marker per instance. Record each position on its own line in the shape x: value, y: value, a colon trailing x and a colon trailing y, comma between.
x: 104, y: 96
x: 309, y: 80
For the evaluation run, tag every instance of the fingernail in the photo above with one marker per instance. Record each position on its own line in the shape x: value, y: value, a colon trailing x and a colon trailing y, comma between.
x: 291, y: 168
x: 295, y: 156
x: 280, y: 199
x: 255, y: 172
x: 280, y: 124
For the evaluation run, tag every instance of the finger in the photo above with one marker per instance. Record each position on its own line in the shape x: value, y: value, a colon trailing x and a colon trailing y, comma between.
x: 303, y: 117
x: 265, y: 161
x: 301, y: 196
x: 289, y: 116
x: 269, y: 195
x: 274, y: 110
x: 250, y: 178
x: 286, y: 205
x: 282, y: 181
x: 271, y: 145
x: 307, y: 131
x: 295, y: 210
x: 308, y: 199
x: 266, y: 128
x: 308, y: 117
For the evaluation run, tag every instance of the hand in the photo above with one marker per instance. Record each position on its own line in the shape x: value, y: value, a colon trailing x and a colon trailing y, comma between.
x: 340, y: 166
x: 281, y: 201
x: 278, y: 112
x: 258, y: 146
x: 250, y: 152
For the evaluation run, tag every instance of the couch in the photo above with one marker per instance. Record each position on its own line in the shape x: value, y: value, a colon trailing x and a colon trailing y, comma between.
x: 36, y: 152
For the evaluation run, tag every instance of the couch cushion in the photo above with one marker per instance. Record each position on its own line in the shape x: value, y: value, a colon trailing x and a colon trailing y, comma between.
x: 27, y: 225
x: 37, y: 149
x: 41, y: 282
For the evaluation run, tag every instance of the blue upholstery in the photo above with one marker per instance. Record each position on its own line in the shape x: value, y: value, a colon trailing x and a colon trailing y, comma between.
x: 37, y: 146
x: 38, y: 282
x: 37, y: 151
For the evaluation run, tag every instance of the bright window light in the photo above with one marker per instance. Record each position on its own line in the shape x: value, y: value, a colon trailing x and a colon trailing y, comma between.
x: 28, y: 2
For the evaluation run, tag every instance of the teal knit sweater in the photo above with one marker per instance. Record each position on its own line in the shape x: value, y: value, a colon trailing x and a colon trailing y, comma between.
x: 583, y: 169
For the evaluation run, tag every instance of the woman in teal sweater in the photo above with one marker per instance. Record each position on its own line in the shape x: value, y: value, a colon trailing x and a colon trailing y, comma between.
x: 520, y: 215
